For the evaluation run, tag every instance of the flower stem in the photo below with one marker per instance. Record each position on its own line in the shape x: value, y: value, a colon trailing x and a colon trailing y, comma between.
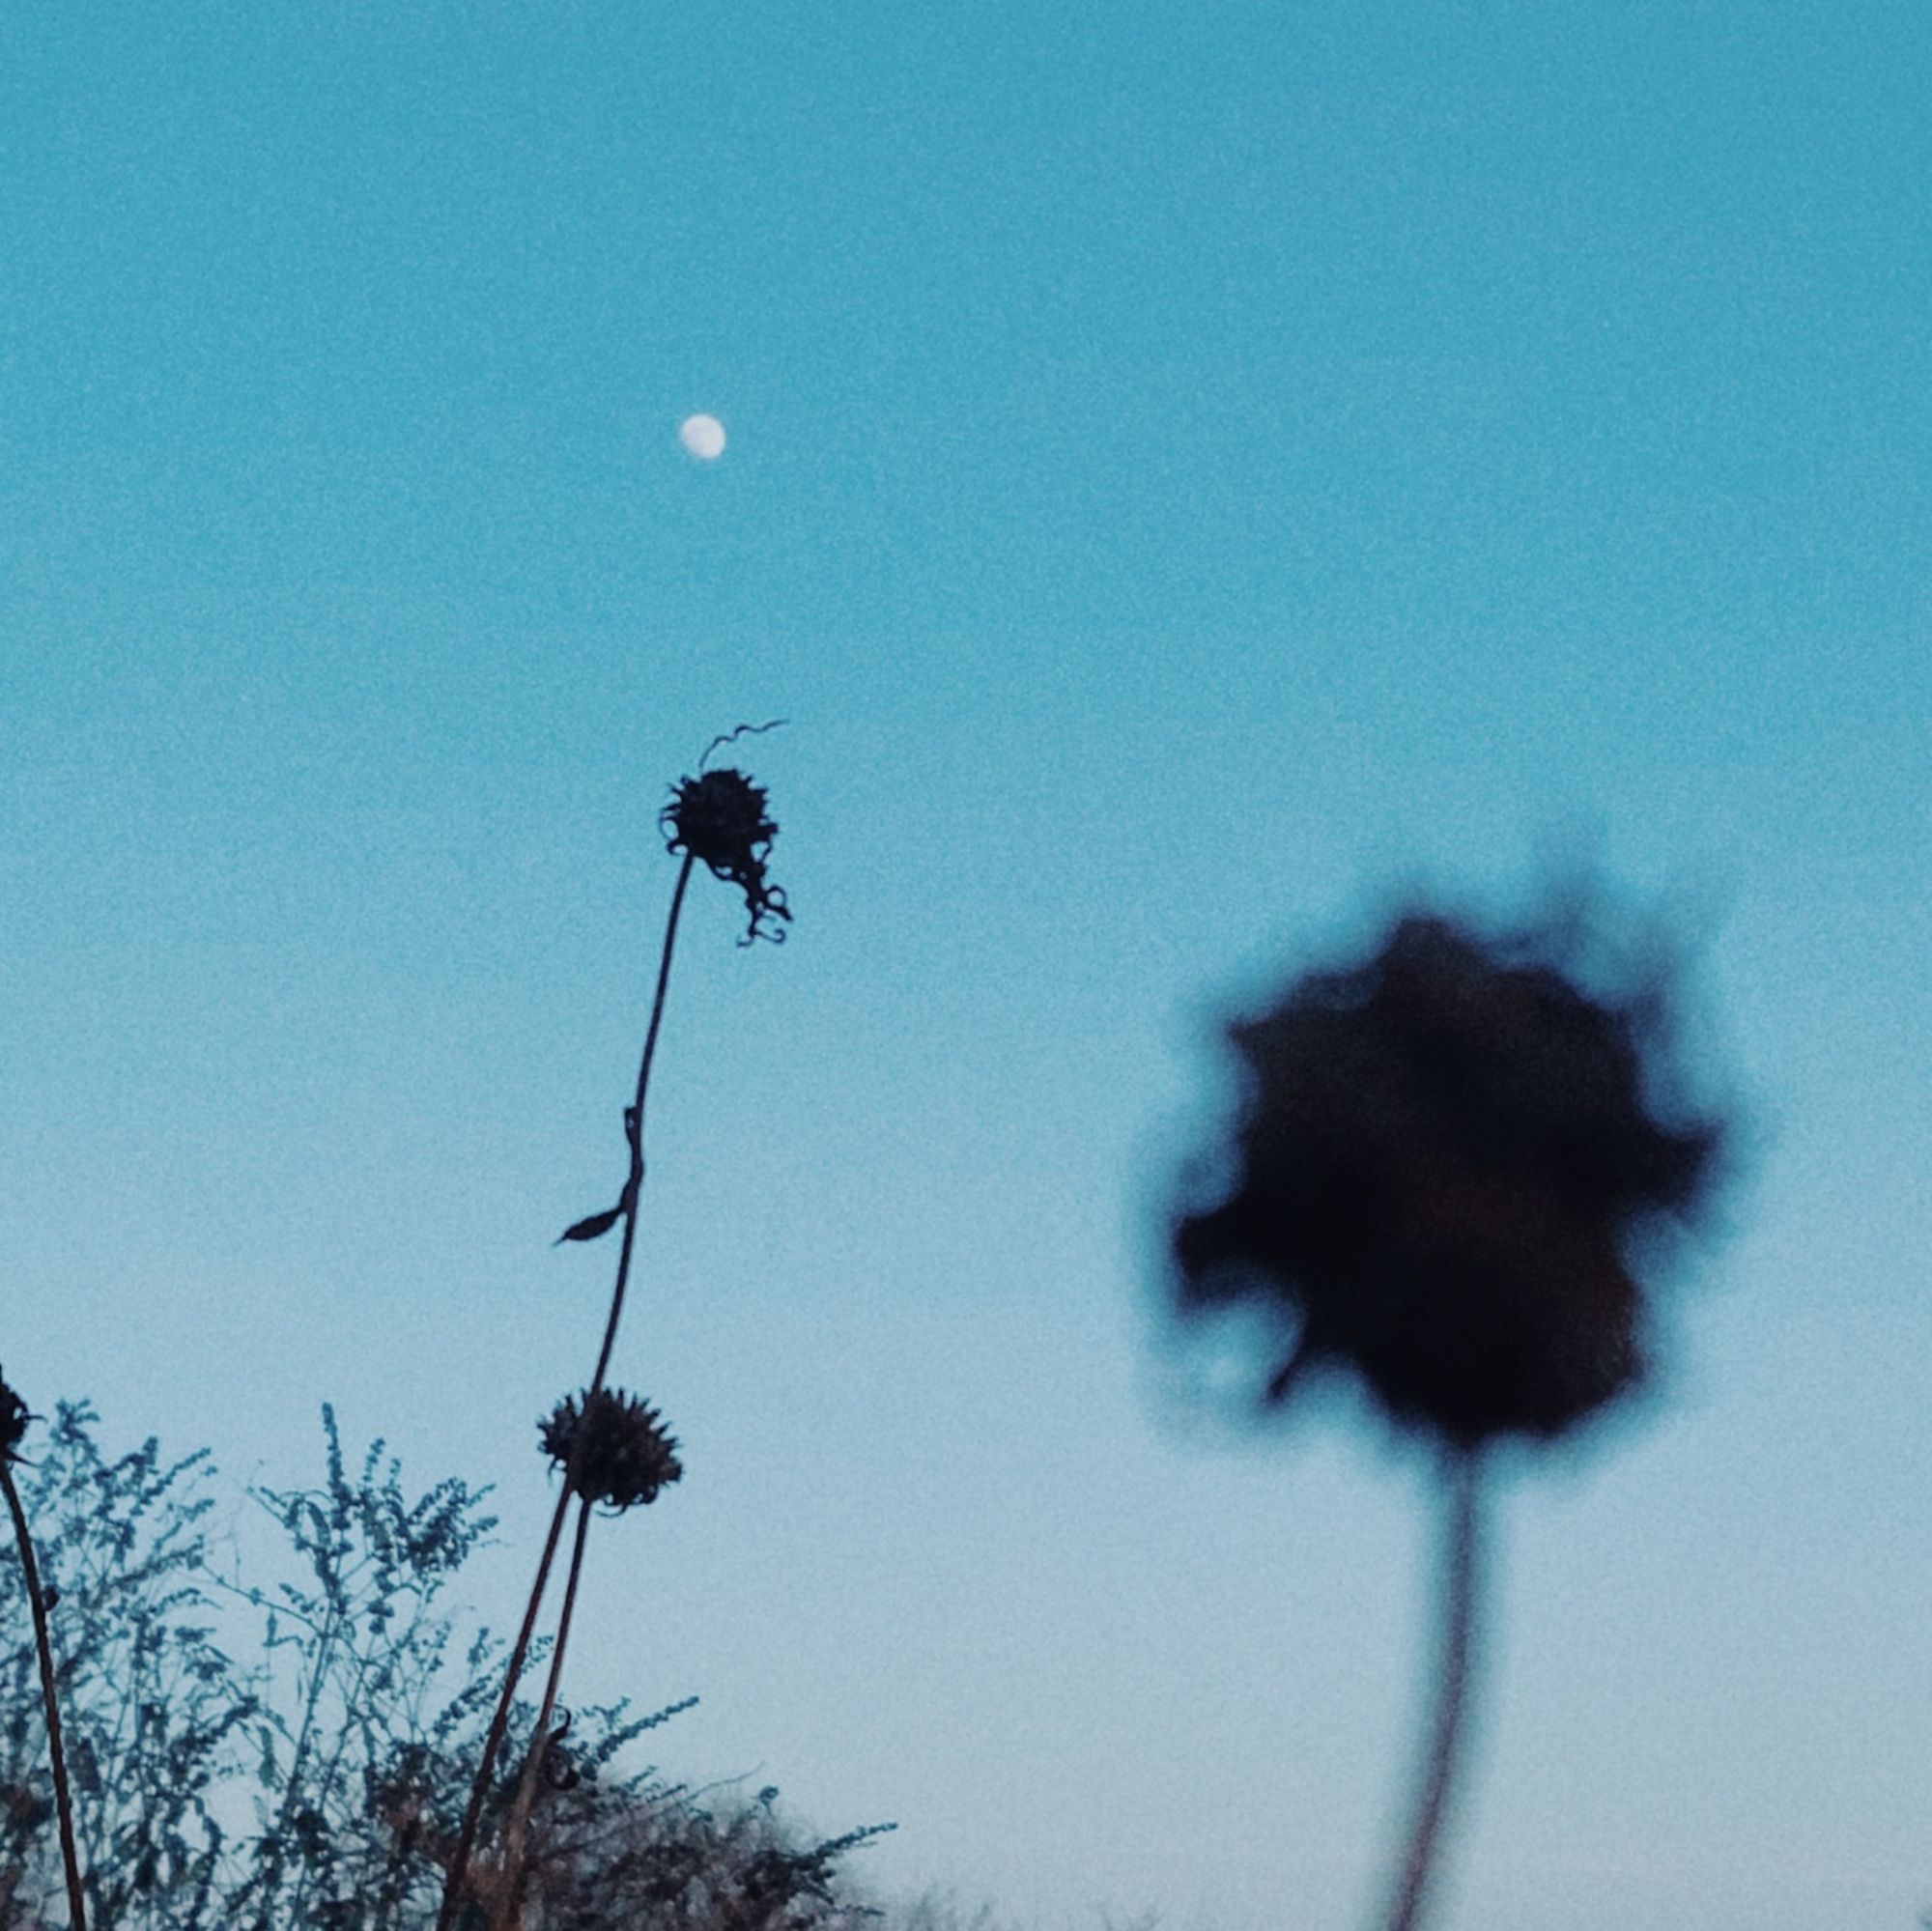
x: 76, y: 1900
x: 633, y: 1134
x: 500, y: 1723
x: 540, y: 1740
x: 1455, y: 1665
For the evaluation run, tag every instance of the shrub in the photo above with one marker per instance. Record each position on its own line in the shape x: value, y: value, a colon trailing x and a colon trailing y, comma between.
x: 293, y: 1754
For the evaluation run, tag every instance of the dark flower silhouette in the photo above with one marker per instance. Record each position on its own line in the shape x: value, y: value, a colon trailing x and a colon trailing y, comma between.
x: 720, y: 819
x: 622, y: 1454
x: 1446, y: 1168
x: 1442, y: 1161
x: 14, y: 1419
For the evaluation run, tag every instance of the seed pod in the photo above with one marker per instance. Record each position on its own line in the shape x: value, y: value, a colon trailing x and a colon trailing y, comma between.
x: 626, y: 1456
x: 14, y: 1420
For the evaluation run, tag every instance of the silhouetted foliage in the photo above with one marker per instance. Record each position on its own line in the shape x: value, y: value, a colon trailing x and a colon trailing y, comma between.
x: 592, y: 1227
x: 314, y: 1777
x: 153, y: 1708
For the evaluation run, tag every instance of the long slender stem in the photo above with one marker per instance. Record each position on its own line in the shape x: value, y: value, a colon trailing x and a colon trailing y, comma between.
x: 1454, y: 1666
x: 76, y: 1898
x: 540, y: 1739
x: 634, y: 1132
x: 633, y: 1182
x: 500, y: 1723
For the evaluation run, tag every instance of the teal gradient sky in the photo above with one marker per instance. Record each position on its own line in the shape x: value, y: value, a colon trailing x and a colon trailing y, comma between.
x: 1193, y: 468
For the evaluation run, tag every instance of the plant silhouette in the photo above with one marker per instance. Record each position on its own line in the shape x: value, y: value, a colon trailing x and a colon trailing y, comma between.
x: 1448, y: 1176
x: 14, y: 1419
x: 721, y: 819
x: 289, y: 1744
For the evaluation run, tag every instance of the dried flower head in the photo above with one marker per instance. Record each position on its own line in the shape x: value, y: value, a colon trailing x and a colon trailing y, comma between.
x: 1442, y: 1160
x: 14, y: 1419
x: 626, y: 1456
x: 720, y: 819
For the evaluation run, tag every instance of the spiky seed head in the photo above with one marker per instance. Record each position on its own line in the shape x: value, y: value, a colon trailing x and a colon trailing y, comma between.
x: 626, y: 1455
x: 720, y: 819
x: 14, y: 1419
x: 1442, y: 1160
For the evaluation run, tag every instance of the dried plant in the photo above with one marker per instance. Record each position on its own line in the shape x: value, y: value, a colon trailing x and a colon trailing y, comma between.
x: 616, y: 1454
x: 354, y: 1655
x: 155, y: 1715
x: 1449, y: 1175
x: 14, y: 1420
x: 613, y: 1447
x: 720, y: 819
x: 352, y: 1725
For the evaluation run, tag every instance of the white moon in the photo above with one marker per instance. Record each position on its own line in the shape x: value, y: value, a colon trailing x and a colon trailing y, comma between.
x: 703, y: 436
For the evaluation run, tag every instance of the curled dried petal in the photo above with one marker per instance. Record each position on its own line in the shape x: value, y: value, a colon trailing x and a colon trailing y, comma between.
x: 720, y: 817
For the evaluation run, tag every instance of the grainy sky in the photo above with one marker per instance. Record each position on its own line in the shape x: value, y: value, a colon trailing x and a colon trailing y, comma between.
x: 1193, y: 470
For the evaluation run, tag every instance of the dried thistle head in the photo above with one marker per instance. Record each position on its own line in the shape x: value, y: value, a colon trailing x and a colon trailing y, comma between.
x: 1443, y: 1161
x: 720, y: 817
x: 14, y: 1419
x: 625, y: 1455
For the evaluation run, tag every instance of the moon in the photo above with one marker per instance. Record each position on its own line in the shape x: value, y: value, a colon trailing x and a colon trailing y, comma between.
x: 703, y: 436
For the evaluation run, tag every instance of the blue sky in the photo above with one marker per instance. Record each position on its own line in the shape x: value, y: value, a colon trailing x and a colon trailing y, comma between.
x: 1193, y: 470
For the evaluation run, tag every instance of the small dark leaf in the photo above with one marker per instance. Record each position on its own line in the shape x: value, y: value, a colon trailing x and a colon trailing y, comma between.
x: 594, y: 1226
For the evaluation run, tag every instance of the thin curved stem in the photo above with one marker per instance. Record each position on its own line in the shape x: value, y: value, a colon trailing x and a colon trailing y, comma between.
x: 292, y: 1790
x: 540, y: 1739
x: 633, y: 1182
x: 1455, y: 1665
x: 500, y: 1723
x: 76, y: 1897
x: 634, y: 1132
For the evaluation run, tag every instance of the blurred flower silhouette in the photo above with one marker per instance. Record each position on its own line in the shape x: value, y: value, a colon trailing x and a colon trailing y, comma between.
x: 1447, y: 1169
x: 720, y: 819
x: 1442, y: 1162
x: 625, y: 1455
